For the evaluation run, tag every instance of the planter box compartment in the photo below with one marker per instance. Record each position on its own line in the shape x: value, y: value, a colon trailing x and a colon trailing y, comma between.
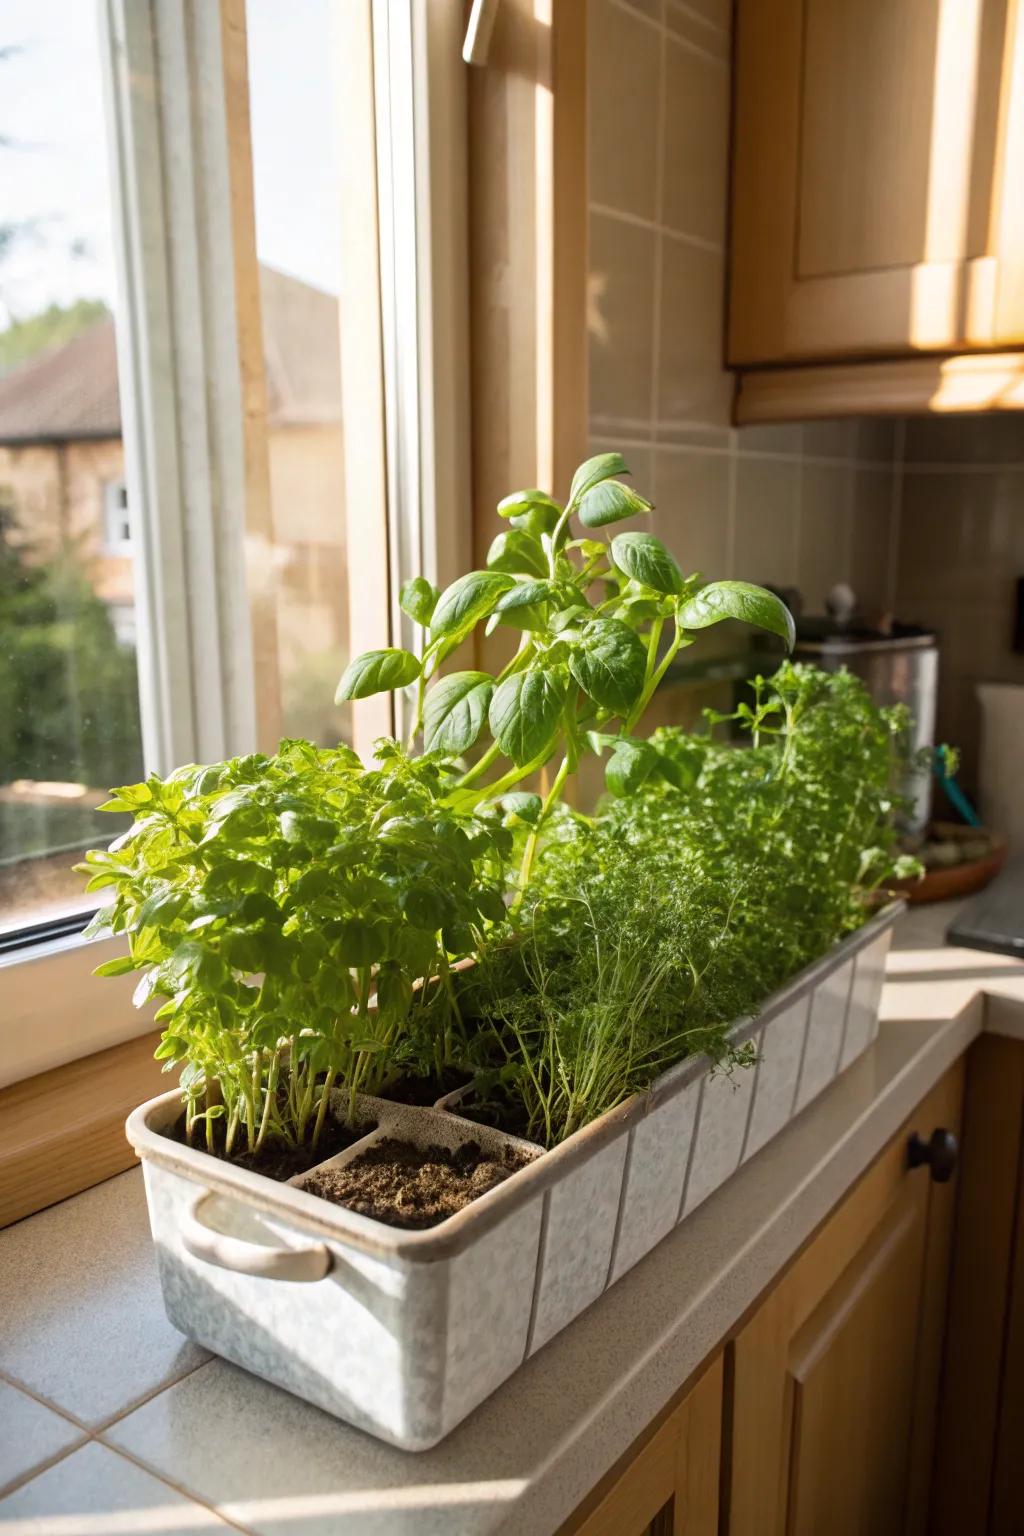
x: 403, y: 1333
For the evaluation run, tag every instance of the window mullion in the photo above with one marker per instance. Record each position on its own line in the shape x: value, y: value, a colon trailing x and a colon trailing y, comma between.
x: 179, y: 355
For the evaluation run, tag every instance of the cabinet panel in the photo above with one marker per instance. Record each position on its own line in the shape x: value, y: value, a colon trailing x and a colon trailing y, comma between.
x: 977, y: 1462
x: 863, y: 199
x: 852, y: 1372
x: 670, y: 1486
x: 832, y: 1387
x: 877, y: 152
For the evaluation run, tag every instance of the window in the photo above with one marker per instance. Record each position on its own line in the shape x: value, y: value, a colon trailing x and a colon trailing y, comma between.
x: 117, y: 528
x: 296, y: 127
x: 69, y: 705
x: 177, y: 493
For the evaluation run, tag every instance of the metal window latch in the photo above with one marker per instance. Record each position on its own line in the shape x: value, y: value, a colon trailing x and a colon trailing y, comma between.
x: 478, y: 32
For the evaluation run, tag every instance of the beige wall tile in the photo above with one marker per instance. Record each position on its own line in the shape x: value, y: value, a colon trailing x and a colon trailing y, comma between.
x: 875, y: 439
x: 704, y: 24
x: 767, y: 492
x: 929, y: 537
x: 824, y: 553
x: 693, y: 387
x: 871, y: 515
x: 696, y: 178
x: 623, y: 83
x: 691, y: 511
x: 770, y: 437
x: 621, y: 320
x: 991, y: 439
x: 653, y: 9
x: 830, y: 439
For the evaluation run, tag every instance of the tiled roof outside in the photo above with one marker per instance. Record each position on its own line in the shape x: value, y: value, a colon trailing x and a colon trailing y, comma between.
x: 71, y: 393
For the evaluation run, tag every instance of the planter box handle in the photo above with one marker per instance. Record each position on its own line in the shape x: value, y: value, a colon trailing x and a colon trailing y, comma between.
x: 250, y: 1258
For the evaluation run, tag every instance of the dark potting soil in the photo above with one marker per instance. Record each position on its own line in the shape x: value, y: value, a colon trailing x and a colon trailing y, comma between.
x: 275, y: 1161
x: 424, y: 1091
x: 498, y: 1110
x: 413, y: 1187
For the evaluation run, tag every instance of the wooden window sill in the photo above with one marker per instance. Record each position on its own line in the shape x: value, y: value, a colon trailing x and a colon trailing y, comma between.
x: 63, y: 1130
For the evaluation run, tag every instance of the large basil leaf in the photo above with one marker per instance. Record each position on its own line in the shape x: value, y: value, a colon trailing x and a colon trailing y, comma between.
x: 418, y: 598
x: 610, y: 502
x: 592, y: 471
x: 455, y: 710
x: 377, y: 672
x: 646, y: 560
x: 610, y: 664
x: 738, y: 600
x: 521, y: 502
x: 465, y: 601
x: 517, y: 553
x: 524, y: 595
x: 629, y: 765
x: 524, y: 714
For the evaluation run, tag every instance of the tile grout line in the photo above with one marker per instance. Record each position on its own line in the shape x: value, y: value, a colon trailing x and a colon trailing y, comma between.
x: 45, y: 1402
x: 44, y: 1466
x: 179, y: 1488
x: 659, y: 252
x: 140, y: 1402
x: 896, y: 515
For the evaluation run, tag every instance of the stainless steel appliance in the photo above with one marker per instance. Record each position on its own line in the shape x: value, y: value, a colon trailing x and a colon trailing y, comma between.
x: 901, y: 667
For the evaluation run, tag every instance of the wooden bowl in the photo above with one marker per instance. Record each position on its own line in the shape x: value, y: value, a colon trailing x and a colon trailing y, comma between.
x: 959, y: 880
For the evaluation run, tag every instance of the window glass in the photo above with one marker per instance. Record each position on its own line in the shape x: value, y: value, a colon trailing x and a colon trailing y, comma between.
x: 297, y: 138
x: 69, y: 710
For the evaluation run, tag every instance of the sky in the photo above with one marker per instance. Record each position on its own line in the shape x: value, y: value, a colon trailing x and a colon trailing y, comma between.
x: 54, y: 170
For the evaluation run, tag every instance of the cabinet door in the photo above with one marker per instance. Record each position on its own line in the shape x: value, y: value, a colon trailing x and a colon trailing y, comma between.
x: 878, y: 156
x: 833, y: 1383
x: 981, y: 1414
x: 669, y: 1487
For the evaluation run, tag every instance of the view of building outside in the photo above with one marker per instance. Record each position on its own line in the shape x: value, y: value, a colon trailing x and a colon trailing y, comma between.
x: 296, y: 125
x: 69, y: 716
x: 69, y: 712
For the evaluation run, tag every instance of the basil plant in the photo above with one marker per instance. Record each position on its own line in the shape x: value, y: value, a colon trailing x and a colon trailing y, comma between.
x: 600, y: 623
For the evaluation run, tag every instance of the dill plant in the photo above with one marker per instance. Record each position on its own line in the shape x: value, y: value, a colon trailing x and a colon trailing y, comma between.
x: 648, y: 931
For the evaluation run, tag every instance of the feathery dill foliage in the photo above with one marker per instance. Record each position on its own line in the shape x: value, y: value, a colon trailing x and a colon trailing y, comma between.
x: 286, y: 907
x: 647, y: 932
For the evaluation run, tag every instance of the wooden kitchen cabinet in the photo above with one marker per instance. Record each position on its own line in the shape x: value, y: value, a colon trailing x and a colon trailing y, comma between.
x: 669, y: 1487
x: 832, y: 1384
x: 878, y: 160
x: 978, y: 1486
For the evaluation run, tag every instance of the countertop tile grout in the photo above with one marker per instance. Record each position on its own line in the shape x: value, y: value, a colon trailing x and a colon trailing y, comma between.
x: 45, y: 1402
x: 24, y: 1478
x: 169, y: 1482
x: 100, y: 1429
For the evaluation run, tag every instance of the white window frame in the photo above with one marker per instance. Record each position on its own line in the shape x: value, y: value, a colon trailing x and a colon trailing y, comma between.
x: 189, y: 467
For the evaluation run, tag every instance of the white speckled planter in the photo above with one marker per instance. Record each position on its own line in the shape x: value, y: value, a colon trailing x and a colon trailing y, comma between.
x: 404, y: 1333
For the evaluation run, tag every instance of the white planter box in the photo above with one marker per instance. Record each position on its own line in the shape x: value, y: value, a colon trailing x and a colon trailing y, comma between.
x: 404, y: 1333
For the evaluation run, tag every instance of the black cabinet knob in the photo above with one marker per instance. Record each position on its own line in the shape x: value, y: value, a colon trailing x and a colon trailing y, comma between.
x: 940, y: 1152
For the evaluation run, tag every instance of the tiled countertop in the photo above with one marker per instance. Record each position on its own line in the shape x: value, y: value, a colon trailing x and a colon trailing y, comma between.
x: 114, y: 1425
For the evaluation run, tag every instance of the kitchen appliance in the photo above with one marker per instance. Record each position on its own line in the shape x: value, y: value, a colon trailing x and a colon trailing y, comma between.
x: 900, y: 665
